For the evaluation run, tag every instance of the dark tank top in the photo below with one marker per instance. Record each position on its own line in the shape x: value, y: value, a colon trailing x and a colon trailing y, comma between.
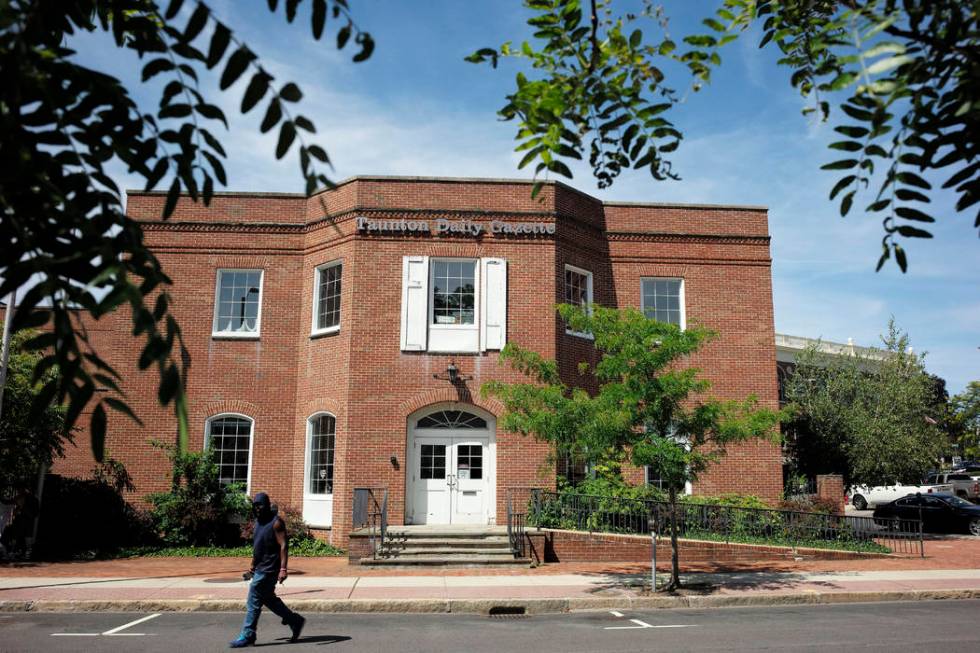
x: 265, y: 547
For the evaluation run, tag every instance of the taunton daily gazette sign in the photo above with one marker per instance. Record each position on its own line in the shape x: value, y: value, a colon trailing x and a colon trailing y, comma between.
x: 444, y: 227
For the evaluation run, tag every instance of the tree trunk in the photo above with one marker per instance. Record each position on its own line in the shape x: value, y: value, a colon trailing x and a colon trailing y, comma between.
x: 675, y: 566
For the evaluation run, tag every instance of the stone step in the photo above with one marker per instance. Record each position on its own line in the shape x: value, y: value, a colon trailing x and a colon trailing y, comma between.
x: 444, y: 551
x: 456, y: 534
x: 461, y: 543
x: 446, y: 561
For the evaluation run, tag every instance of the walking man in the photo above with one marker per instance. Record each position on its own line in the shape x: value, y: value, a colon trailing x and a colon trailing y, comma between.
x: 270, y: 555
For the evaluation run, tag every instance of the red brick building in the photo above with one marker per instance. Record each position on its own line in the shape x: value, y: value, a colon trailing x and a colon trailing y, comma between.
x: 318, y: 328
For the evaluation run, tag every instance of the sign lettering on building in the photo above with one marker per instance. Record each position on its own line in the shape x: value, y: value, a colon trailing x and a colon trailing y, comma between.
x: 444, y: 227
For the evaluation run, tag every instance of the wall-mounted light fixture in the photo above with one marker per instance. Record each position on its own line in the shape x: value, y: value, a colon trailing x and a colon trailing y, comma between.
x: 452, y: 374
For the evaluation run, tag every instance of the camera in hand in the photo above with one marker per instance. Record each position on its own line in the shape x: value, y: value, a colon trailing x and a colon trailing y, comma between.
x: 247, y: 575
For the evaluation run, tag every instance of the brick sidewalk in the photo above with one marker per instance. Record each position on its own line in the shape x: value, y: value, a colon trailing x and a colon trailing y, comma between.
x: 958, y: 553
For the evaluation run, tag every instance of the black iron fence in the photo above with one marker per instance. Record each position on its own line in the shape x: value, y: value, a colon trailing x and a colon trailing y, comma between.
x: 725, y: 523
x: 518, y: 501
x: 370, y: 510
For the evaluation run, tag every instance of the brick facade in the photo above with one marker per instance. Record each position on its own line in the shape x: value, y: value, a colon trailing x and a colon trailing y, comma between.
x: 360, y: 375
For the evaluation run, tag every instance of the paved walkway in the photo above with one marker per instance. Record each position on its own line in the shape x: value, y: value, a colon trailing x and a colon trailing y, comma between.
x: 951, y: 565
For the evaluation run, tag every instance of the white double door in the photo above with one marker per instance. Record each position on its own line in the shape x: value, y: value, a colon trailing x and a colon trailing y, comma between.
x: 450, y: 476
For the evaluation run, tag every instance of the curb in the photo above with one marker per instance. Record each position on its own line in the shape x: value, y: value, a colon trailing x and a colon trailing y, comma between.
x: 495, y: 606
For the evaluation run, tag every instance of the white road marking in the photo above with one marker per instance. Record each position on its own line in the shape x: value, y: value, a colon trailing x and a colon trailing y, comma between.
x: 642, y: 624
x: 130, y: 624
x: 114, y: 632
x: 615, y: 614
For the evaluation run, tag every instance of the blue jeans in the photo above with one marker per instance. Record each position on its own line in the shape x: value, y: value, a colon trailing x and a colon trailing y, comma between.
x: 262, y: 591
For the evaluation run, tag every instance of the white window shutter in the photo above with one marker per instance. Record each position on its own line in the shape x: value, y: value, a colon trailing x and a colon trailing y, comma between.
x: 493, y: 319
x: 415, y: 303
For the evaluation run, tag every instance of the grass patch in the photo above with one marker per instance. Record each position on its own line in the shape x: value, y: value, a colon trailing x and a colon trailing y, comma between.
x: 300, y: 549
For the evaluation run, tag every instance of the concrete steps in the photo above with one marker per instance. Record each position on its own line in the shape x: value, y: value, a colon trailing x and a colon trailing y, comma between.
x: 433, y: 546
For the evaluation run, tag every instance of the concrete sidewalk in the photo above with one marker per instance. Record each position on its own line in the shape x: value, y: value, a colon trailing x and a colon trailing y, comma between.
x: 532, y: 593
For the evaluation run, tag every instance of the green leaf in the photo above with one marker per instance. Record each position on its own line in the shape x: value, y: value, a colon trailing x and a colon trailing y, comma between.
x: 169, y: 384
x: 97, y: 427
x: 173, y: 9
x: 256, y: 90
x: 909, y: 213
x: 841, y: 185
x: 845, y: 203
x: 291, y: 93
x: 272, y: 115
x: 636, y: 38
x: 913, y: 232
x: 847, y: 146
x: 219, y: 44
x: 900, y: 258
x: 343, y: 34
x: 172, y: 196
x: 197, y: 22
x: 887, y: 64
x: 911, y: 195
x: 155, y: 67
x: 367, y: 47
x: 843, y: 164
x: 880, y: 205
x: 236, y: 65
x: 319, y: 18
x: 912, y: 179
x: 287, y: 134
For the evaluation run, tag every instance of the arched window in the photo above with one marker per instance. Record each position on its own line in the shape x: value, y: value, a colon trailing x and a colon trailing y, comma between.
x: 452, y: 419
x: 321, y: 447
x: 230, y: 437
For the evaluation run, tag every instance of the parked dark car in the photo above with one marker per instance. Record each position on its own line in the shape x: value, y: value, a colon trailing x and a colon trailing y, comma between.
x: 941, y: 513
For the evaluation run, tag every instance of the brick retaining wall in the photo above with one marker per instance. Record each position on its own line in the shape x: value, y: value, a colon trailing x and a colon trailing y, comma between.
x: 552, y: 545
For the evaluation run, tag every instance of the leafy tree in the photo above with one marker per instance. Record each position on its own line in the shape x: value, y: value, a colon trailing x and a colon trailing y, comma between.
x: 871, y: 417
x: 28, y: 439
x: 648, y: 406
x: 966, y: 418
x: 62, y: 223
x: 903, y: 74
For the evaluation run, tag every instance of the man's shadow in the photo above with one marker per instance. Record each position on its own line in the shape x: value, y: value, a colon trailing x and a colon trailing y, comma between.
x: 310, y: 639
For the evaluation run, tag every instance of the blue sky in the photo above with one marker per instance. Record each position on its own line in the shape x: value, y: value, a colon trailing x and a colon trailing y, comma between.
x: 416, y: 108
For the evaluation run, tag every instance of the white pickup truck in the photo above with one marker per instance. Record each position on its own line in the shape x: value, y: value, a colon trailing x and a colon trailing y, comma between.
x: 864, y: 497
x: 964, y: 485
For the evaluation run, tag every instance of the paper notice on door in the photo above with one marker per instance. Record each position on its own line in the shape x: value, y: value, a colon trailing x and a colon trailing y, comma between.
x: 463, y: 474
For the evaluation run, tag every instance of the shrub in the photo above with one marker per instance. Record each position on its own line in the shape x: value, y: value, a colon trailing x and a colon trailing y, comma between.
x: 89, y: 517
x: 199, y: 510
x: 811, y: 504
x: 297, y: 529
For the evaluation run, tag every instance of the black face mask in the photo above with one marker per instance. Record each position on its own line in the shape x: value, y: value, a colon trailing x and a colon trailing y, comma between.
x: 261, y: 507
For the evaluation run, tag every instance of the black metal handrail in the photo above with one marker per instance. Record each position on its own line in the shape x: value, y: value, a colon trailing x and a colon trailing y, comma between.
x: 711, y: 521
x: 370, y: 510
x: 516, y: 522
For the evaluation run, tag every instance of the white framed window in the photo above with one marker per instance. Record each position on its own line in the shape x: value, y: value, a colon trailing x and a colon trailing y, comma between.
x: 237, y: 303
x: 652, y: 478
x: 321, y: 443
x: 453, y: 304
x: 578, y: 292
x: 326, y: 297
x: 453, y: 296
x: 230, y: 438
x: 662, y: 299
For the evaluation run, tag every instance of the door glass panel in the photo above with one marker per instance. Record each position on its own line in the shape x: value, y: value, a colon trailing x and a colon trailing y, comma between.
x: 469, y: 461
x: 433, y: 461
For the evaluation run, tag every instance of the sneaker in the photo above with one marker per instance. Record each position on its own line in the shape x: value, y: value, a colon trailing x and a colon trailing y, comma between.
x: 297, y: 627
x: 241, y: 642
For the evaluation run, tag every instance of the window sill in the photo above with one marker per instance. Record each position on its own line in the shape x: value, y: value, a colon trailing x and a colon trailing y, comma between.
x: 579, y: 334
x: 332, y: 331
x: 229, y: 335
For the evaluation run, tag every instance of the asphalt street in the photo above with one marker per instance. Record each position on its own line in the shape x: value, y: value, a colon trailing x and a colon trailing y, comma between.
x: 938, y: 625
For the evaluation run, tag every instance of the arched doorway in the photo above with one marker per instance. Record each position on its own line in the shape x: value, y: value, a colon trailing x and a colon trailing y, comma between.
x: 451, y: 475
